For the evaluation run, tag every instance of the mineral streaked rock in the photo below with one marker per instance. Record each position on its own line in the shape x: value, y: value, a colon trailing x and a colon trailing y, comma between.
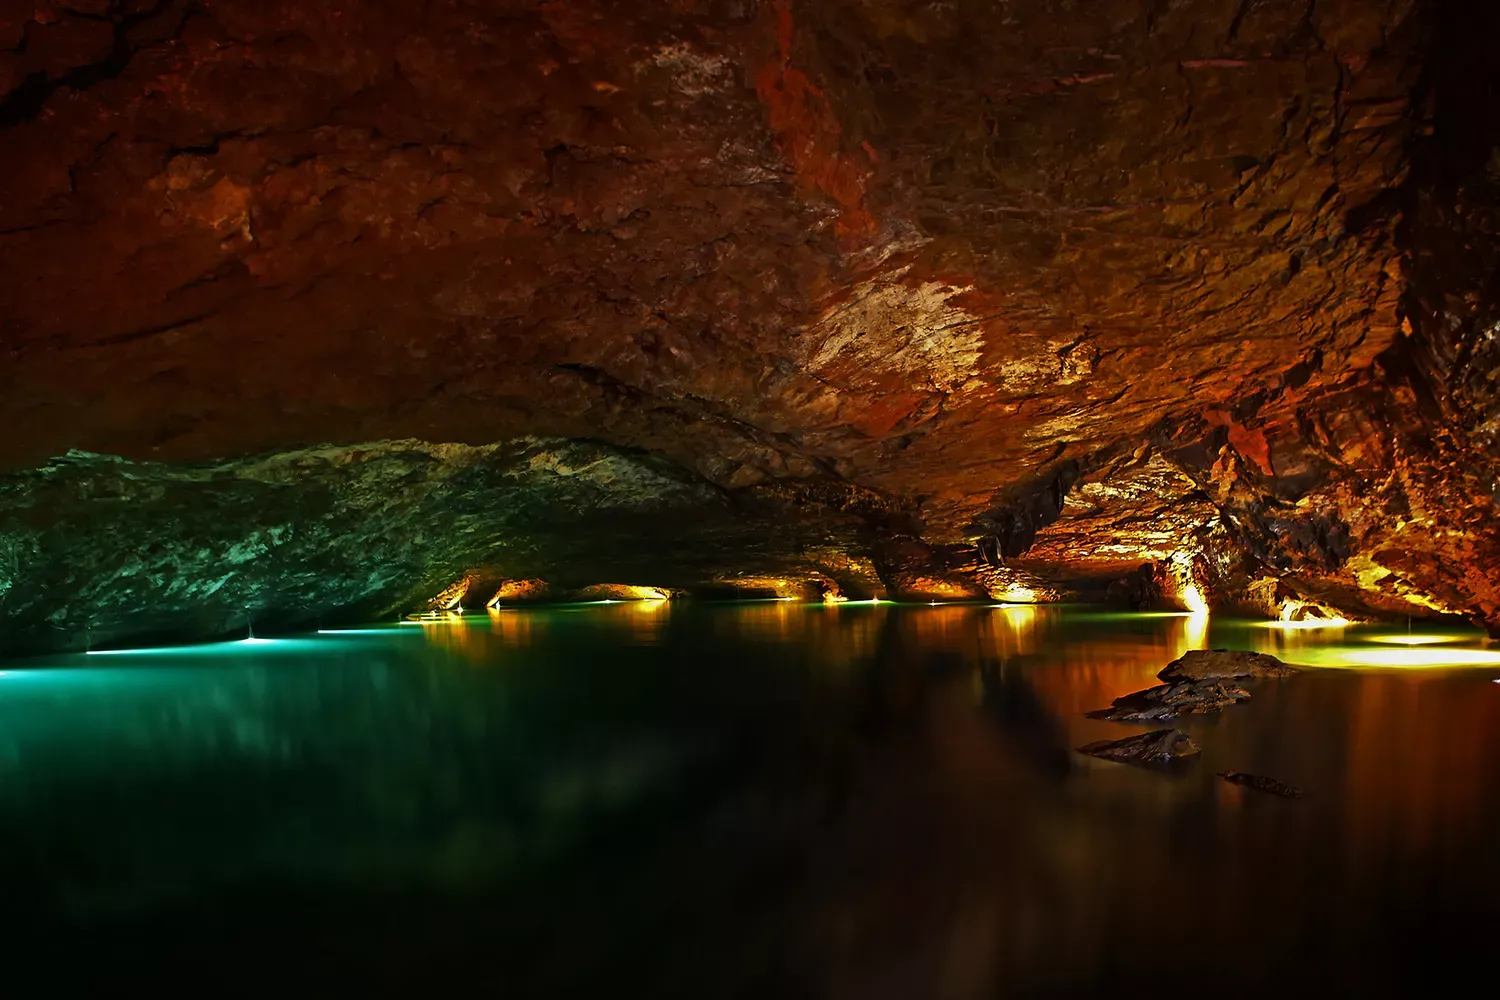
x: 1261, y: 783
x: 915, y: 251
x: 1164, y: 746
x: 97, y: 550
x: 1224, y: 664
x: 1200, y: 682
x: 1168, y: 701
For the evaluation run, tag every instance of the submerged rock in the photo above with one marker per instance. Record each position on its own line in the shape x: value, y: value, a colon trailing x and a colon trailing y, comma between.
x: 1198, y: 683
x: 1224, y: 664
x: 1261, y: 783
x: 1167, y: 701
x: 1164, y: 746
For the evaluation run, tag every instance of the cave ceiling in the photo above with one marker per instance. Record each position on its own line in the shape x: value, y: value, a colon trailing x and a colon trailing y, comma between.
x: 907, y: 297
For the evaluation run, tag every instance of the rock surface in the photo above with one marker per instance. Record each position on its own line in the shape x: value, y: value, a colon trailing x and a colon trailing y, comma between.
x: 1260, y: 783
x: 322, y: 535
x: 1168, y: 701
x: 1164, y: 746
x: 1224, y: 664
x: 1200, y: 682
x: 1191, y: 299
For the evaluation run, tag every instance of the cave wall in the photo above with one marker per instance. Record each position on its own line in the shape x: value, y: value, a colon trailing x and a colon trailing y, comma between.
x: 936, y: 300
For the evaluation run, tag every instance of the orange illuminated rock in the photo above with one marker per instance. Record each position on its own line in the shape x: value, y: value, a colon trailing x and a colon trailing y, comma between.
x: 963, y: 303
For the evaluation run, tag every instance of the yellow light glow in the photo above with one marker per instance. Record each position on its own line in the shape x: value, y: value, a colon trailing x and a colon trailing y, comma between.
x: 1415, y: 640
x: 1306, y: 623
x: 1020, y: 614
x: 1196, y: 631
x: 833, y: 598
x: 1017, y: 594
x: 1193, y: 598
x: 1419, y: 657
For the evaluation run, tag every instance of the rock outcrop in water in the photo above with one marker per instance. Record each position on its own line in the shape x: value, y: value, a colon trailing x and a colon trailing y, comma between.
x: 1168, y: 701
x: 1261, y: 783
x: 1154, y: 749
x: 1193, y: 299
x: 1224, y: 665
x: 1200, y: 682
x: 329, y: 534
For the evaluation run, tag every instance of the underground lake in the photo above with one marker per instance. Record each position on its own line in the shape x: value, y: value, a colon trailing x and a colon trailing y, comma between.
x: 765, y: 798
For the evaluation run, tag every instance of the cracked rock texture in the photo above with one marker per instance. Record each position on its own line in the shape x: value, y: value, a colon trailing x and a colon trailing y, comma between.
x: 1174, y: 301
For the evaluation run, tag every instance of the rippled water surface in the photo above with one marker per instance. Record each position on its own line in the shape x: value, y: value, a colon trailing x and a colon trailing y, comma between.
x: 748, y: 800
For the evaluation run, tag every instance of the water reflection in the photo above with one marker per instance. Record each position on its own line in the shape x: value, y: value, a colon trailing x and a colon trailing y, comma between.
x: 753, y: 799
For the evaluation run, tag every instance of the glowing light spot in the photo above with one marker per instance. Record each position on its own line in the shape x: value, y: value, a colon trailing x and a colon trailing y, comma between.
x: 1415, y: 640
x: 363, y: 631
x: 1193, y: 597
x: 205, y: 649
x: 1306, y: 623
x: 1017, y: 594
x: 1419, y: 657
x: 1197, y: 630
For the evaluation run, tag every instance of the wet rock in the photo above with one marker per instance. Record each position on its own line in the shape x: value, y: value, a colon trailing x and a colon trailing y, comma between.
x: 1200, y: 682
x: 1164, y: 746
x: 1261, y: 783
x: 1224, y: 664
x: 1167, y: 701
x: 98, y: 551
x: 1084, y: 305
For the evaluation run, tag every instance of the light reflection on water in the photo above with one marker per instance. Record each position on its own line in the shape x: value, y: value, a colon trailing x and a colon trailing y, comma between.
x: 761, y: 798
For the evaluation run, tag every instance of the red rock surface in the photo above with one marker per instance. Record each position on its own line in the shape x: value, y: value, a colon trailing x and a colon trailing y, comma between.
x: 1138, y: 265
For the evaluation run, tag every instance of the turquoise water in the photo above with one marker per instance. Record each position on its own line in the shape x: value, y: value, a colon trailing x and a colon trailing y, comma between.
x: 665, y: 799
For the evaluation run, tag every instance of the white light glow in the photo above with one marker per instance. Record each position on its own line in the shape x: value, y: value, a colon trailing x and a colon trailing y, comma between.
x: 1419, y: 657
x: 1306, y: 623
x: 1193, y: 597
x: 1415, y: 640
x: 358, y: 631
x: 1197, y: 630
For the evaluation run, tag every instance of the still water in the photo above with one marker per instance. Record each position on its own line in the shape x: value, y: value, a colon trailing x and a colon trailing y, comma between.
x: 747, y: 800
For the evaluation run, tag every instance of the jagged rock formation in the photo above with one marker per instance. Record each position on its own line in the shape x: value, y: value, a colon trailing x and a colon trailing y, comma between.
x: 1163, y: 747
x: 1224, y: 665
x: 331, y: 534
x: 940, y: 300
x: 1261, y: 783
x: 1200, y: 682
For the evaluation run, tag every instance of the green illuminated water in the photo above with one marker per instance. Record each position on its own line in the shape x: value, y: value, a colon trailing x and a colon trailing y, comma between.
x: 745, y: 800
